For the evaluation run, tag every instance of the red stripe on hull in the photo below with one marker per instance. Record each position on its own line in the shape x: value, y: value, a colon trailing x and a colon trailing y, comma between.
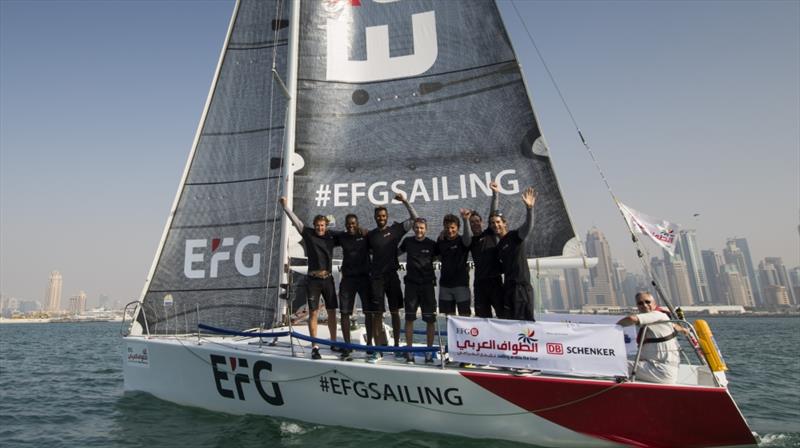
x: 638, y: 414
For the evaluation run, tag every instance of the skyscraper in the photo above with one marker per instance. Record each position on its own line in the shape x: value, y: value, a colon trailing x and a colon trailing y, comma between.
x: 783, y: 276
x: 735, y: 257
x: 712, y: 262
x: 736, y: 286
x: 750, y: 272
x: 659, y: 269
x: 77, y: 304
x: 53, y: 295
x: 618, y: 273
x: 776, y: 296
x: 575, y: 297
x: 794, y: 280
x: 679, y: 284
x: 602, y: 290
x: 687, y: 248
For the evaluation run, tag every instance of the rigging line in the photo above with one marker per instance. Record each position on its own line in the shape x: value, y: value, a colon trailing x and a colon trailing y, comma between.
x: 268, y: 261
x: 595, y: 161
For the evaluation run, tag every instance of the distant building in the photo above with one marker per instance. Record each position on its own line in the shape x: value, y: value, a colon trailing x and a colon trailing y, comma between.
x: 618, y: 273
x: 602, y: 290
x: 632, y: 284
x: 782, y: 277
x: 735, y: 257
x: 53, y: 295
x: 776, y: 296
x: 687, y: 248
x: 77, y: 304
x: 794, y: 280
x: 29, y: 306
x: 659, y: 269
x: 713, y: 262
x: 558, y: 289
x: 573, y: 278
x: 749, y: 271
x: 736, y: 286
x: 679, y: 283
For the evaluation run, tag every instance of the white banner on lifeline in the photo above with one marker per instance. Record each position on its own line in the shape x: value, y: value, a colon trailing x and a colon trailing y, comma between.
x: 552, y: 347
x: 609, y: 319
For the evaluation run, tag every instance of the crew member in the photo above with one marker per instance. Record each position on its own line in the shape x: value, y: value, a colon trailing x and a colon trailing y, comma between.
x: 658, y: 361
x: 319, y: 244
x: 488, y: 282
x: 383, y: 241
x: 420, y: 283
x: 453, y: 250
x: 517, y: 289
x: 355, y: 277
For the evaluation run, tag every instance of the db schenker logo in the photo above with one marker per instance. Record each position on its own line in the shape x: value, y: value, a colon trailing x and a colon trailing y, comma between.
x: 555, y: 348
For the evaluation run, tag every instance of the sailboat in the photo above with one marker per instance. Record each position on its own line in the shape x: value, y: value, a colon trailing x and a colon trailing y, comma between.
x: 338, y: 105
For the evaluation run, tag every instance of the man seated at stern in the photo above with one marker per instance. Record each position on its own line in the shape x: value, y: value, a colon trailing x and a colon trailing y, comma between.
x: 659, y: 359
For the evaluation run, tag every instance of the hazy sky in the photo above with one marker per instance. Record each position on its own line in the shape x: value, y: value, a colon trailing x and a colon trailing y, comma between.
x: 690, y: 107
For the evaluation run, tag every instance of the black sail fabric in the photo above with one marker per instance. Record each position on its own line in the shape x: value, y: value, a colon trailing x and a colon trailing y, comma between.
x: 222, y: 244
x: 423, y: 97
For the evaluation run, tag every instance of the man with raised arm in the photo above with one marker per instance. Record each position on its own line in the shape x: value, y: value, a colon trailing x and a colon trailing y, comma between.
x: 517, y: 289
x: 420, y: 283
x: 355, y: 277
x: 383, y: 241
x: 453, y: 250
x: 488, y: 282
x: 319, y: 244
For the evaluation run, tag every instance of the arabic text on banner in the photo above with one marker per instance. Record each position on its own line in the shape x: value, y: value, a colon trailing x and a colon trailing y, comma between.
x: 553, y: 347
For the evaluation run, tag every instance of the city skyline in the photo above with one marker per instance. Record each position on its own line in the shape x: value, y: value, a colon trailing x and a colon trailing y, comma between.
x: 96, y: 128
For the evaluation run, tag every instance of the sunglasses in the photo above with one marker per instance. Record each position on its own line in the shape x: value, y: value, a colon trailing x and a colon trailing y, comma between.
x: 497, y: 213
x: 644, y: 302
x: 422, y: 220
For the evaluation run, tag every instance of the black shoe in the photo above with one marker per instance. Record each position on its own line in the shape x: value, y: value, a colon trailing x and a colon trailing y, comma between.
x: 337, y: 349
x: 346, y: 356
x: 315, y: 353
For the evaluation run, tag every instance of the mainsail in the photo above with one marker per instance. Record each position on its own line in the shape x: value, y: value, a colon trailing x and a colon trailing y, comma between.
x: 423, y: 97
x: 220, y: 249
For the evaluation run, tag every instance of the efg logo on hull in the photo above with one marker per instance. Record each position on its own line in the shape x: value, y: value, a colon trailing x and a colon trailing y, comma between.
x: 239, y: 373
x: 246, y: 262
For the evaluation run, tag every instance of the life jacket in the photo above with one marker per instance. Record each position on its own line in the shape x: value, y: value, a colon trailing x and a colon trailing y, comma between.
x: 666, y: 338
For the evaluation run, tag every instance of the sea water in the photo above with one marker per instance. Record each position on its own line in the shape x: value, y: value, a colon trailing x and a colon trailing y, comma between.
x: 61, y: 386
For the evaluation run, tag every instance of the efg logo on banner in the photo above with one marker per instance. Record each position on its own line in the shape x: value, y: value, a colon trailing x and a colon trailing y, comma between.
x: 555, y: 347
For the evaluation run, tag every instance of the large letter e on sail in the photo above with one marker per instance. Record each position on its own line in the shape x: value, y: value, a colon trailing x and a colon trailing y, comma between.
x: 379, y: 65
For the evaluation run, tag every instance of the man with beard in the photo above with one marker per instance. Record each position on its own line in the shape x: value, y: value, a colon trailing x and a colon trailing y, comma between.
x: 383, y: 241
x: 517, y: 289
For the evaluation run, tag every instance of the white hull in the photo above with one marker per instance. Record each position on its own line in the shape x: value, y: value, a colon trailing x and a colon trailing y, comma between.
x: 388, y: 396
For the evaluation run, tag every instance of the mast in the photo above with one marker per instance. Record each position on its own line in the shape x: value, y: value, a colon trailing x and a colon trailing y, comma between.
x: 288, y: 152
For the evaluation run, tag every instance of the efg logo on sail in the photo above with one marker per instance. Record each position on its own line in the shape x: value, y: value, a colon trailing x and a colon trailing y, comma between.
x: 196, y: 265
x: 378, y: 65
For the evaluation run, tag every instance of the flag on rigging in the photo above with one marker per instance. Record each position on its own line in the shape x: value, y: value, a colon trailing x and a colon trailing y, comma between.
x: 664, y: 233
